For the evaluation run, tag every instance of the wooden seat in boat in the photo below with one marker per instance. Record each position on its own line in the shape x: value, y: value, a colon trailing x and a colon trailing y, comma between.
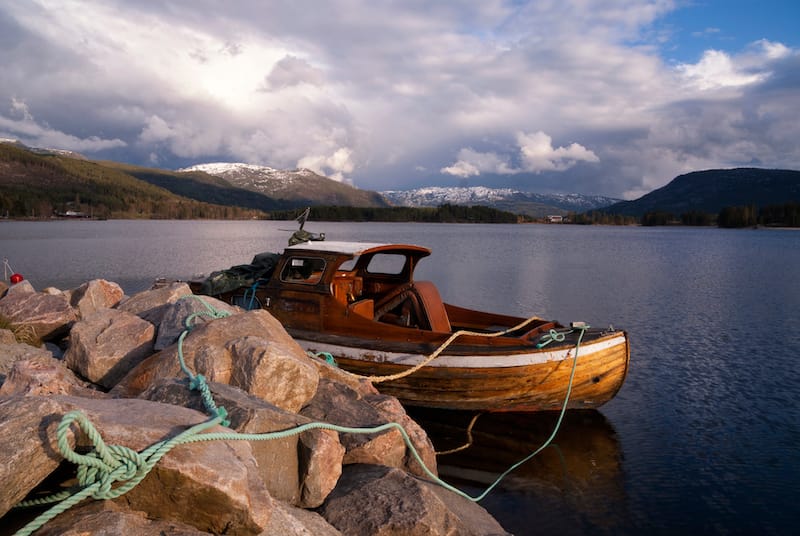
x: 433, y: 305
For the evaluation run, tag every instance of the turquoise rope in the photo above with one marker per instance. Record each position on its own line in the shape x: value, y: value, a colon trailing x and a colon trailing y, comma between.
x: 553, y: 336
x: 100, y: 469
x: 198, y: 382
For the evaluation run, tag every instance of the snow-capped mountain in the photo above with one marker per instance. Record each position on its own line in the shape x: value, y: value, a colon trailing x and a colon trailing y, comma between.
x: 533, y: 204
x: 290, y: 185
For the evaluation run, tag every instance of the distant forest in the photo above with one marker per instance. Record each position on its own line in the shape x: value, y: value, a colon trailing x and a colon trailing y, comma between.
x: 441, y: 214
x: 783, y: 215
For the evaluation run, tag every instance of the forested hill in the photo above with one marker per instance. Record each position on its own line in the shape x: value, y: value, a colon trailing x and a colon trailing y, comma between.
x: 40, y: 185
x: 711, y: 191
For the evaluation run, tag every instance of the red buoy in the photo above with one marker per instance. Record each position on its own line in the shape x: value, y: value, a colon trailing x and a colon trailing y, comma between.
x: 16, y: 278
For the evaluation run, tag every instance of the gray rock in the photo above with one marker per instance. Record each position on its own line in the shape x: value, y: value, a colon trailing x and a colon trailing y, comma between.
x: 15, y: 351
x: 209, y: 350
x: 107, y: 518
x: 175, y: 315
x: 107, y: 344
x: 299, y: 469
x: 151, y: 304
x: 212, y: 485
x: 94, y: 295
x: 44, y: 375
x: 392, y: 502
x: 49, y: 316
x: 28, y: 450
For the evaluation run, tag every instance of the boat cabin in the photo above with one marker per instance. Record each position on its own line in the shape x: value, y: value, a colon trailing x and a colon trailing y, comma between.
x: 370, y: 280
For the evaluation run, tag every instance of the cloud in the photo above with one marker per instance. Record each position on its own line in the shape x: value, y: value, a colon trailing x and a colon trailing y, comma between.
x: 22, y: 126
x: 292, y: 71
x: 535, y: 152
x: 395, y: 95
x: 336, y: 166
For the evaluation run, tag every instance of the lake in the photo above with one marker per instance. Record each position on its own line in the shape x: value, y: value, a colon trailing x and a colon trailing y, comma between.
x: 702, y: 438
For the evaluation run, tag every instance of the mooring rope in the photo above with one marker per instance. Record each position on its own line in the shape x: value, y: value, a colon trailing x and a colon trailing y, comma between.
x: 7, y: 270
x: 443, y: 347
x: 105, y: 466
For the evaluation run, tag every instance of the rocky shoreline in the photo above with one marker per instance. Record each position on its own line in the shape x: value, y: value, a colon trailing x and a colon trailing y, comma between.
x: 118, y: 360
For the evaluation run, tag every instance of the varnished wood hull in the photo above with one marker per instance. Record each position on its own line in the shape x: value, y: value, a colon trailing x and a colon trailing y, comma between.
x: 525, y: 380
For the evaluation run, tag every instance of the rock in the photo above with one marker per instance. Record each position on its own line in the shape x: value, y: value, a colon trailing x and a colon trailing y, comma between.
x: 107, y: 344
x: 299, y: 469
x: 47, y: 315
x: 28, y: 450
x: 391, y: 410
x: 209, y: 350
x: 3, y: 288
x: 338, y: 404
x: 94, y: 295
x: 7, y: 337
x: 173, y: 321
x: 151, y: 304
x: 107, y: 518
x: 361, y: 385
x: 212, y: 485
x: 23, y: 287
x: 392, y: 502
x: 13, y: 352
x: 287, y: 520
x: 274, y: 371
x: 44, y: 375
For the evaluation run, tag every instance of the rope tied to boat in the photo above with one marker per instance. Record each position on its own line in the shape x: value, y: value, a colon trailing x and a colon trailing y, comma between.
x: 99, y: 470
x: 552, y: 336
x: 443, y: 347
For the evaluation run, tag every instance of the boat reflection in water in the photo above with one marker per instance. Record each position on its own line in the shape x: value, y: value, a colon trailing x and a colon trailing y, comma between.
x: 574, y: 486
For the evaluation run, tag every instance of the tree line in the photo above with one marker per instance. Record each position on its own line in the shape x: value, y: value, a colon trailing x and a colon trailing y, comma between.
x: 442, y: 214
x: 782, y: 215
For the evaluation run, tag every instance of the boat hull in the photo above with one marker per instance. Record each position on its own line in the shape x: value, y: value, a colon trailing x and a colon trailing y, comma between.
x: 486, y: 380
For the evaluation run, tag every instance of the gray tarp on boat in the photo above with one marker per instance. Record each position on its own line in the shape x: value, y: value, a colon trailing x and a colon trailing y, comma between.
x: 242, y: 275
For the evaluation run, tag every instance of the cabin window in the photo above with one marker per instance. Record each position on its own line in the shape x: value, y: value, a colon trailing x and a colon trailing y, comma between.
x: 387, y: 263
x: 306, y: 270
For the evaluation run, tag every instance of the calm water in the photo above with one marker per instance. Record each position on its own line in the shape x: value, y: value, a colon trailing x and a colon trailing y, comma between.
x: 703, y: 437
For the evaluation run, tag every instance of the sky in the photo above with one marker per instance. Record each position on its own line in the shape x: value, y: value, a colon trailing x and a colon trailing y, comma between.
x: 612, y: 97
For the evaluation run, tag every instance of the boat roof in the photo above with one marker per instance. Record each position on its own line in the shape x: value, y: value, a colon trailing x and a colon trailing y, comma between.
x: 359, y: 248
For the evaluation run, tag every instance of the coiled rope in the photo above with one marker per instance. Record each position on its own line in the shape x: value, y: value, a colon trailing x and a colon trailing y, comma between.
x: 105, y: 466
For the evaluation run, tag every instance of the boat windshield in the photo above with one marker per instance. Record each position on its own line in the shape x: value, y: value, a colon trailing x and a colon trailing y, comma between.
x: 303, y: 269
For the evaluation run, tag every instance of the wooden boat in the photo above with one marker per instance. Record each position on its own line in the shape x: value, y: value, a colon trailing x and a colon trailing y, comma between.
x: 359, y: 303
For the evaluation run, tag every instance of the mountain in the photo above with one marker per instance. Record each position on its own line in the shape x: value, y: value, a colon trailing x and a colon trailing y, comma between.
x: 294, y: 188
x: 518, y: 202
x: 41, y: 183
x: 712, y: 190
x: 201, y: 186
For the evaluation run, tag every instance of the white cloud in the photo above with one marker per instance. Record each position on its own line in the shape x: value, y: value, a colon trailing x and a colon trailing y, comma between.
x: 717, y: 70
x: 535, y: 151
x: 538, y: 153
x: 336, y: 166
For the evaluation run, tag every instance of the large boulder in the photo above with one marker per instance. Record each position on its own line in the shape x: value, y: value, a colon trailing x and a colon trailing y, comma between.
x: 95, y: 295
x: 107, y: 344
x: 151, y: 305
x: 28, y: 451
x: 195, y: 309
x: 12, y: 352
x: 276, y: 368
x: 44, y: 375
x: 299, y: 469
x: 400, y: 504
x: 338, y: 404
x: 211, y: 485
x: 48, y: 316
x: 108, y: 518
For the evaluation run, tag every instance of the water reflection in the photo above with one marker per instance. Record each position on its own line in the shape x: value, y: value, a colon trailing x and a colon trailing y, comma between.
x: 575, y: 484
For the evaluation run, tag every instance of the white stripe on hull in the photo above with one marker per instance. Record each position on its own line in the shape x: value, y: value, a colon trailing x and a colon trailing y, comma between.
x: 462, y: 361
